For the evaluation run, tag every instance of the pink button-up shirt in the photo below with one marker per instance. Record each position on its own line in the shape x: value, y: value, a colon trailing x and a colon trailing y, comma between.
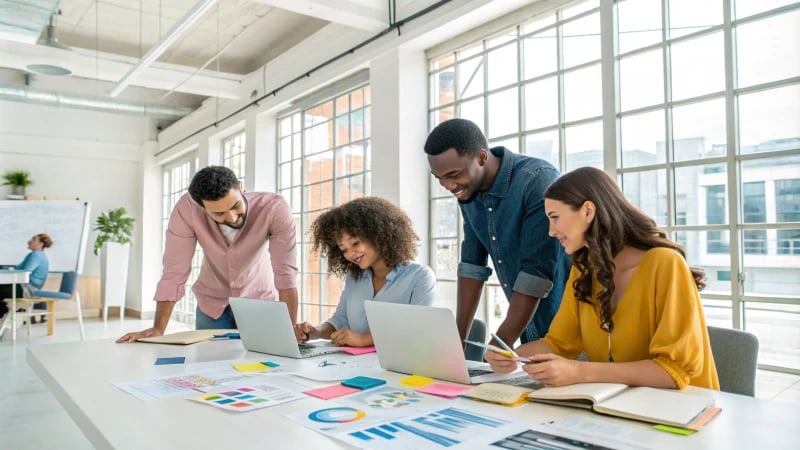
x: 238, y: 269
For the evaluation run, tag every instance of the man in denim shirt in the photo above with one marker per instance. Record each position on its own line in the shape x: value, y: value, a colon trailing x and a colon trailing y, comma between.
x: 500, y: 196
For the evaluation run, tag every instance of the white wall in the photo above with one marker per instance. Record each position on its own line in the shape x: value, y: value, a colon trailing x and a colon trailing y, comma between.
x: 73, y: 153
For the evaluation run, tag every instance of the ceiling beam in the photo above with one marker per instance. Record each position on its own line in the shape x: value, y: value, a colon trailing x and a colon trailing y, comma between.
x: 369, y: 15
x: 183, y: 25
x: 103, y: 66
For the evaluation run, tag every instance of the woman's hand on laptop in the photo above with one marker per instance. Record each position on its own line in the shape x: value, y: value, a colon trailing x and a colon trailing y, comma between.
x: 351, y: 338
x: 500, y: 363
x: 305, y: 332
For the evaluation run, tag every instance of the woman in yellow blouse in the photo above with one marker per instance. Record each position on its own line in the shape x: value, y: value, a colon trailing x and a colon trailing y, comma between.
x: 631, y: 303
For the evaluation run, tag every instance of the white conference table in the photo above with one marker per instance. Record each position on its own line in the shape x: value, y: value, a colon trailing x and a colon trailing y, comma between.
x: 12, y: 277
x: 80, y: 375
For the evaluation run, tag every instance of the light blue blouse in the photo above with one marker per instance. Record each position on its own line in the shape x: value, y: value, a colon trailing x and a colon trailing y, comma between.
x: 412, y: 284
x: 36, y: 262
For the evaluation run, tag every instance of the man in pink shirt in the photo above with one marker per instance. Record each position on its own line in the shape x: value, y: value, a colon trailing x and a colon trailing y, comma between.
x: 248, y: 242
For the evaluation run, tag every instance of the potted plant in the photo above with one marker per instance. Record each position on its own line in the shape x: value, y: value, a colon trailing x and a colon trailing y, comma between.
x: 113, y: 243
x: 18, y: 179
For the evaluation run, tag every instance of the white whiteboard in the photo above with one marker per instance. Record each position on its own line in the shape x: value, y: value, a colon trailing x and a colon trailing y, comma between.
x: 67, y: 223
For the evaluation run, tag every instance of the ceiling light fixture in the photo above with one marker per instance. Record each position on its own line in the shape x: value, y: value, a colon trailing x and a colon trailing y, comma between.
x: 180, y: 27
x: 49, y: 39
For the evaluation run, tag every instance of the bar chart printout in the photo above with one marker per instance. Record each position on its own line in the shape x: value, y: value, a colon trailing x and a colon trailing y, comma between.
x: 443, y: 428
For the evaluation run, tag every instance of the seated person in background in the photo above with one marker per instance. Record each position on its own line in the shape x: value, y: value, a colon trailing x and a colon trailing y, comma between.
x: 371, y: 242
x: 37, y: 264
x: 632, y: 303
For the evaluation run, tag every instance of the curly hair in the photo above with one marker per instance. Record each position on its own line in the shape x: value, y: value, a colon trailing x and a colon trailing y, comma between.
x: 45, y: 239
x: 460, y: 134
x: 372, y: 219
x: 617, y: 223
x: 212, y: 183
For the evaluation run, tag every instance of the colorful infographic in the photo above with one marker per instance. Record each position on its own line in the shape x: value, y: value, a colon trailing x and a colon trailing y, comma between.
x: 249, y: 398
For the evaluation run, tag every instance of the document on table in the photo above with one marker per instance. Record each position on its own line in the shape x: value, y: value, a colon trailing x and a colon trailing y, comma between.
x: 337, y: 369
x: 188, y: 383
x: 439, y: 427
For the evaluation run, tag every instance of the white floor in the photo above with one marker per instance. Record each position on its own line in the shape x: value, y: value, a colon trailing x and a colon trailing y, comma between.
x: 31, y: 418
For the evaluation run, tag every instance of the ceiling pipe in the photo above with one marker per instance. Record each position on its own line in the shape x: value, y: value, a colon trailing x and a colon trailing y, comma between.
x: 174, y: 33
x: 93, y: 103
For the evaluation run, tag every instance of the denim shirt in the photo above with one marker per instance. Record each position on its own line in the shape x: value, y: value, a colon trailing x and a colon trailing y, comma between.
x: 409, y: 284
x: 508, y: 222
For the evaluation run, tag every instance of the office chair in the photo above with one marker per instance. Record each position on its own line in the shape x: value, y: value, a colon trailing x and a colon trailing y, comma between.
x: 736, y: 357
x: 68, y: 289
x: 477, y: 333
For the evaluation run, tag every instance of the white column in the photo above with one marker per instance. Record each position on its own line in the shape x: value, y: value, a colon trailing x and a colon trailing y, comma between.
x: 262, y: 156
x: 400, y: 170
x: 147, y: 246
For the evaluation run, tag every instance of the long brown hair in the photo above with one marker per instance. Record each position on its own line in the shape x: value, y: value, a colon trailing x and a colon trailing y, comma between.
x: 617, y: 223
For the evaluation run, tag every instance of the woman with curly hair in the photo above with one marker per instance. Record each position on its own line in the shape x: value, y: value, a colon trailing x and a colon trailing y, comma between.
x: 631, y: 303
x: 371, y: 242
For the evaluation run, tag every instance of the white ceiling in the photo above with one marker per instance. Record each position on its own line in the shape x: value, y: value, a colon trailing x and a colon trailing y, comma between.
x: 106, y: 38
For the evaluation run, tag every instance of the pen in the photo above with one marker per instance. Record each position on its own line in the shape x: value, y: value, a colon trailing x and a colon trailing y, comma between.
x: 503, y: 344
x: 497, y: 349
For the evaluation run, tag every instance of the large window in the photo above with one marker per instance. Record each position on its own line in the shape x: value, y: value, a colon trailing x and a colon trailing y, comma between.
x: 176, y: 178
x: 699, y: 118
x: 233, y: 151
x: 323, y: 161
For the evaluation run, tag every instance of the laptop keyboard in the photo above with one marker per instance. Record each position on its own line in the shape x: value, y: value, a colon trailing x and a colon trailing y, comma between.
x: 478, y: 372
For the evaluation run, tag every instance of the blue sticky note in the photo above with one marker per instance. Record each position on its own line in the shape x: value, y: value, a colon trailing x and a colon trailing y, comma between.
x: 270, y: 364
x: 170, y: 360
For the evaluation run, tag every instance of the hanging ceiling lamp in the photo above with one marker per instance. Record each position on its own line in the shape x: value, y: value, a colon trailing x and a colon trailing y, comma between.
x: 50, y: 66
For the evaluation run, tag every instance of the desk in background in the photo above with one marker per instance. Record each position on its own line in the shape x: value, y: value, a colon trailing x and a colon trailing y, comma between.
x: 12, y: 277
x: 80, y: 375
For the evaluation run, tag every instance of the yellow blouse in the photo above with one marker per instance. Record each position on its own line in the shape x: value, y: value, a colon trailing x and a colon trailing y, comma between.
x: 659, y: 317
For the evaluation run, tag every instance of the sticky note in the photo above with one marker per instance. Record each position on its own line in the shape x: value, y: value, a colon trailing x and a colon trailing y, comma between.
x: 676, y: 430
x: 170, y: 360
x: 416, y: 381
x: 444, y: 390
x: 252, y: 367
x: 358, y: 350
x: 270, y: 364
x: 332, y: 391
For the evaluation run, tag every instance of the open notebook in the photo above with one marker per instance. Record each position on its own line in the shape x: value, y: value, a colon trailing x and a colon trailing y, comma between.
x: 660, y: 406
x: 185, y: 337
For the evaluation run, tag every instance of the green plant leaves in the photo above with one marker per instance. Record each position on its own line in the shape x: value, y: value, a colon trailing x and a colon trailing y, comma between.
x: 17, y: 178
x: 114, y: 226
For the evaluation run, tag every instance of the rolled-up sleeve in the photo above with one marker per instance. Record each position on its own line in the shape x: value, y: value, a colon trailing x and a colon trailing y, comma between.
x: 564, y: 336
x: 677, y: 343
x: 282, y: 248
x: 538, y: 251
x: 179, y: 249
x: 474, y: 256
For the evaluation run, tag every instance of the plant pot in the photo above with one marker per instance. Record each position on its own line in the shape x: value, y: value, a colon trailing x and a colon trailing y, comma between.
x: 18, y: 190
x: 114, y: 259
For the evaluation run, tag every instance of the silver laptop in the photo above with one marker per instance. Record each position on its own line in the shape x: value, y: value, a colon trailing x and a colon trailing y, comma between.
x: 423, y: 340
x: 265, y: 327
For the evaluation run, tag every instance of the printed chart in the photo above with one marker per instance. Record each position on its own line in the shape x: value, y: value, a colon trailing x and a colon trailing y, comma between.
x: 249, y: 398
x: 446, y: 427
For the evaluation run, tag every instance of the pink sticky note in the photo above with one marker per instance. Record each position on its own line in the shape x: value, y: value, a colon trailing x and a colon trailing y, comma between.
x: 444, y: 390
x: 358, y: 350
x: 332, y: 391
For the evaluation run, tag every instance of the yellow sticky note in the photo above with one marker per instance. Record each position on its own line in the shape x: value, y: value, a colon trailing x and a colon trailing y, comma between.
x: 416, y: 381
x: 252, y: 367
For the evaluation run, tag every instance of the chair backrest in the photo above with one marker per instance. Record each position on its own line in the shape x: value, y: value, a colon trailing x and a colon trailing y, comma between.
x: 477, y: 333
x: 736, y: 358
x: 69, y: 282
